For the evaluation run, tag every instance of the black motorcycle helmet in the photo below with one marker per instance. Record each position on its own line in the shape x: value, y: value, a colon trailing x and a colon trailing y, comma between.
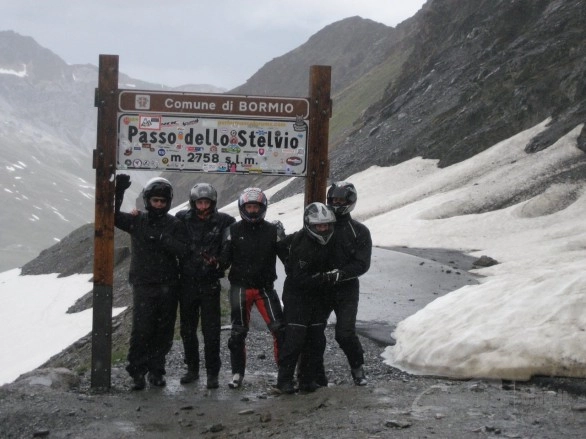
x: 345, y: 190
x: 157, y: 187
x: 203, y: 190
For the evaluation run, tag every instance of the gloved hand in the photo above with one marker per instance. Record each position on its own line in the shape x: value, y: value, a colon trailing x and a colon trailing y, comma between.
x: 280, y: 229
x: 330, y: 277
x: 209, y: 259
x: 122, y: 183
x: 334, y: 276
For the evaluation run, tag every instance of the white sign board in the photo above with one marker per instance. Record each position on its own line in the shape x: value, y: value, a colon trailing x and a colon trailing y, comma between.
x: 212, y: 133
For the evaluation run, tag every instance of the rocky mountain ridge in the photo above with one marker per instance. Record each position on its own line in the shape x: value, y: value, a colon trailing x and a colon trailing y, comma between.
x: 476, y: 73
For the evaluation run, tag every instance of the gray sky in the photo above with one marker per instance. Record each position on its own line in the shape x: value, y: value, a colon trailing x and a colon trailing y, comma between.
x: 176, y: 42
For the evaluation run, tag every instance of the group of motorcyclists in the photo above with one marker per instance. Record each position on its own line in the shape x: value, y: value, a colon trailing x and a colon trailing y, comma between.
x: 177, y: 263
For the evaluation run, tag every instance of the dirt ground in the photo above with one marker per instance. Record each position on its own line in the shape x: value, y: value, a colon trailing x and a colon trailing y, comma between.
x: 58, y: 404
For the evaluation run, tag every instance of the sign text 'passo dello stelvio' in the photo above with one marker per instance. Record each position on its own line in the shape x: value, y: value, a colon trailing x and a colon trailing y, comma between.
x: 211, y: 137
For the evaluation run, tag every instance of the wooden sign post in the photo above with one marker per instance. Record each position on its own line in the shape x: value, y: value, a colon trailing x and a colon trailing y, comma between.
x: 320, y: 112
x: 105, y: 166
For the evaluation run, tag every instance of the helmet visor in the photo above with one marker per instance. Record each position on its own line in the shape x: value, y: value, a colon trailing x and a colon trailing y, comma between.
x: 322, y: 233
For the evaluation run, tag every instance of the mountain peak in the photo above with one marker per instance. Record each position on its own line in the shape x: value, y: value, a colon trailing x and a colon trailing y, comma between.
x: 24, y: 56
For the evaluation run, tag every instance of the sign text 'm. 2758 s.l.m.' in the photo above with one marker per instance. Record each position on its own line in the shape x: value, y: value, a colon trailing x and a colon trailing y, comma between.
x: 212, y: 133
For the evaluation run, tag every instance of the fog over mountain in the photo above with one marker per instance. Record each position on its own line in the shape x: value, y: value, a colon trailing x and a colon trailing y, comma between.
x: 47, y: 135
x: 453, y: 80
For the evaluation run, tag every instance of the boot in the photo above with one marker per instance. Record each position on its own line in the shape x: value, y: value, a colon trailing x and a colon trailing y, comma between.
x: 321, y: 380
x: 212, y: 382
x: 359, y: 377
x: 156, y: 379
x: 236, y: 381
x: 191, y: 376
x: 309, y: 387
x: 285, y: 387
x: 321, y: 377
x: 139, y: 383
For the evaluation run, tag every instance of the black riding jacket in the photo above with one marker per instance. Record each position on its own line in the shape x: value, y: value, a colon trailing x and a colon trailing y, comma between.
x: 251, y: 250
x: 306, y: 259
x: 156, y: 244
x: 352, y: 247
x: 205, y: 239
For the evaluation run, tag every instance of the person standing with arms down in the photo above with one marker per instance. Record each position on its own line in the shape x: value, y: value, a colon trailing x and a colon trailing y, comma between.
x: 352, y: 246
x: 251, y: 248
x: 200, y: 282
x: 157, y: 241
x: 304, y: 295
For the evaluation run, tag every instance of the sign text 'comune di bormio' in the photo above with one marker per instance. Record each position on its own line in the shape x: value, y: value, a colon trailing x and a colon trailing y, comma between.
x: 212, y: 133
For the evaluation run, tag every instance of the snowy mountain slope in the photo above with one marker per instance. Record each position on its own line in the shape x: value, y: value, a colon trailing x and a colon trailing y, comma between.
x: 46, y: 184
